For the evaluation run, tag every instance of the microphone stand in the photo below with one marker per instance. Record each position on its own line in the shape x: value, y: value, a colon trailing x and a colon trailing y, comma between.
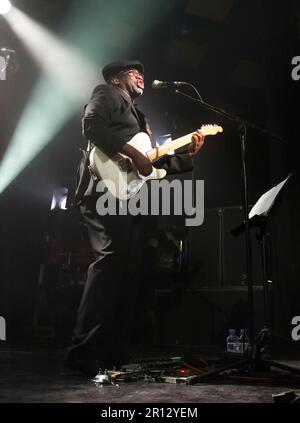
x: 243, y: 124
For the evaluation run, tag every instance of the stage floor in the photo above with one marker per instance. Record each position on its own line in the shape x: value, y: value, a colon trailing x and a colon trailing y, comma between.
x: 38, y: 376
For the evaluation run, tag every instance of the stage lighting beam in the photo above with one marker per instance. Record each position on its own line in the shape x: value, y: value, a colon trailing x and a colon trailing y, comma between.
x: 71, y: 63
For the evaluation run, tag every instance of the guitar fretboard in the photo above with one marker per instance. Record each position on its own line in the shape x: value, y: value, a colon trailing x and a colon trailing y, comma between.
x: 158, y: 152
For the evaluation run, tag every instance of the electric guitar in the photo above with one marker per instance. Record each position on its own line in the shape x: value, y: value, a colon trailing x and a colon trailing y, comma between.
x: 118, y: 172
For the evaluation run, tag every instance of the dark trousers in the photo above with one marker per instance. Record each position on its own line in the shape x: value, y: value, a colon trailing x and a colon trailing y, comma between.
x: 114, y: 283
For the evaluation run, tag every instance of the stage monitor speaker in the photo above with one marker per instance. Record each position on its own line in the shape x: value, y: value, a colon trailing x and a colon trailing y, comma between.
x: 202, y: 317
x: 216, y: 257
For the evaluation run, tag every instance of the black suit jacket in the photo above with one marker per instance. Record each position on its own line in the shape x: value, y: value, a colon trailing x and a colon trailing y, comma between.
x: 110, y: 121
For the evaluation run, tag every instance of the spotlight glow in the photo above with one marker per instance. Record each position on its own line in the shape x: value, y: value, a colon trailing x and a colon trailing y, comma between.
x: 46, y: 113
x: 101, y: 32
x: 59, y: 93
x: 5, y: 7
x: 59, y: 60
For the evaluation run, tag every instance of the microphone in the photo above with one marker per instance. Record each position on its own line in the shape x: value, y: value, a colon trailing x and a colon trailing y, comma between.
x: 167, y: 84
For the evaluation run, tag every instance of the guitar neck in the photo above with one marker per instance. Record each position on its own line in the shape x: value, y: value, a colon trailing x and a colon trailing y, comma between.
x: 158, y: 152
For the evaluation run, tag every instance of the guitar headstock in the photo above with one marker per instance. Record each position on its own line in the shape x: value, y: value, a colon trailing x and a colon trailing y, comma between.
x: 211, y: 129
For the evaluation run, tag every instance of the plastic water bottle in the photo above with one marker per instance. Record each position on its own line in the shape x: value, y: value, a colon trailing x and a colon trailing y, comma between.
x: 243, y: 341
x: 232, y: 342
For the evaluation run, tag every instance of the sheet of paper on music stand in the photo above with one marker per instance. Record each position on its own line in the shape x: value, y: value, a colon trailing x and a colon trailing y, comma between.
x: 266, y: 201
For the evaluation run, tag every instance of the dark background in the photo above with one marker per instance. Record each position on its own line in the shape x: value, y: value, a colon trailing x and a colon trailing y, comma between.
x: 238, y: 54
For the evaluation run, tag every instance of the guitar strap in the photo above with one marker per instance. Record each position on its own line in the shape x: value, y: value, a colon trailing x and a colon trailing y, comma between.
x: 83, y: 174
x: 143, y: 122
x: 139, y: 115
x: 89, y: 146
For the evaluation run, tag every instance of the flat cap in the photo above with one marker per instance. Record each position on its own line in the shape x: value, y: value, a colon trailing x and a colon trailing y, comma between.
x: 114, y: 68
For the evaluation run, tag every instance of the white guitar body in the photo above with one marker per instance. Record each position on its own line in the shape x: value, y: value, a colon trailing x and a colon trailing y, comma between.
x: 118, y: 173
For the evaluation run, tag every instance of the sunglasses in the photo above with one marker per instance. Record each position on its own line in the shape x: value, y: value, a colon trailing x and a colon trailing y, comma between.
x: 133, y: 72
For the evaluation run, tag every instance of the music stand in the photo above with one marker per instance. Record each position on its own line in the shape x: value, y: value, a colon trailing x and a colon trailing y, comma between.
x: 257, y: 218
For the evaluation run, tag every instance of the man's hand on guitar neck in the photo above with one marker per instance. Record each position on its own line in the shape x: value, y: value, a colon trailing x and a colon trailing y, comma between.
x: 197, y: 143
x: 142, y: 164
